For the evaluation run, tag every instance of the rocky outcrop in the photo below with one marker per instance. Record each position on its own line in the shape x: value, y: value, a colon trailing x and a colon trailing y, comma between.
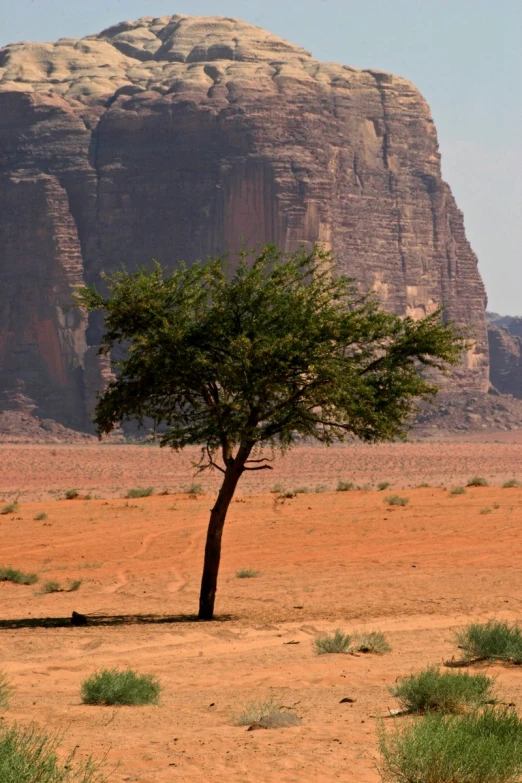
x: 505, y: 347
x: 178, y: 137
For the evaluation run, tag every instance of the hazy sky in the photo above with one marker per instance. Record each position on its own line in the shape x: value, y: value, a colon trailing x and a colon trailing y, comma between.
x: 464, y: 55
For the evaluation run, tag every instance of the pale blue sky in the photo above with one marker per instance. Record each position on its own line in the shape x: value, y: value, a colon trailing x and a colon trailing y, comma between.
x: 464, y: 55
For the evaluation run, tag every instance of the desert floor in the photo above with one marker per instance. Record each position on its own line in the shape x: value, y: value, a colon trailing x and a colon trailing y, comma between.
x: 326, y: 560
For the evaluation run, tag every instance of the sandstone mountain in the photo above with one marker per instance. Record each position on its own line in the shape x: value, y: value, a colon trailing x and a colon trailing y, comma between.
x: 174, y: 138
x: 505, y: 347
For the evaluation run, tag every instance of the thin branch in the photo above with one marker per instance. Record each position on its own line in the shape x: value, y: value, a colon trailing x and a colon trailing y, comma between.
x: 260, y: 467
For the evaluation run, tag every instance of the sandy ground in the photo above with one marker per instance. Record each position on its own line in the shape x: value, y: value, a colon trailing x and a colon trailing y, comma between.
x: 325, y: 560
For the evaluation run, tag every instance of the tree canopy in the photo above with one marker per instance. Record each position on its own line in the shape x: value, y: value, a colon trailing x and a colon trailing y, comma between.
x: 278, y: 346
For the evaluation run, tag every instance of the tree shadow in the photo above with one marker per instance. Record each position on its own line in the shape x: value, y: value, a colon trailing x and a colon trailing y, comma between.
x: 107, y: 621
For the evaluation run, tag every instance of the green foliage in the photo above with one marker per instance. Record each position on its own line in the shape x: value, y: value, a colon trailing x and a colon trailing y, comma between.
x: 57, y: 587
x: 5, y: 691
x: 396, y: 500
x: 51, y: 587
x: 254, y: 710
x: 277, y: 347
x: 338, y: 642
x: 116, y: 687
x: 457, y: 491
x: 431, y: 690
x: 477, y: 747
x: 140, y: 492
x: 18, y: 577
x: 10, y: 508
x: 382, y: 485
x: 41, y: 516
x: 71, y: 494
x: 494, y: 640
x: 372, y: 642
x: 247, y: 573
x: 194, y: 490
x: 477, y: 481
x: 345, y: 486
x: 29, y: 756
x: 511, y: 483
x: 301, y: 491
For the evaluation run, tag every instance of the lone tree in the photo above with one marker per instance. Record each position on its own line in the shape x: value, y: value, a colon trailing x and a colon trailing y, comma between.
x: 236, y: 359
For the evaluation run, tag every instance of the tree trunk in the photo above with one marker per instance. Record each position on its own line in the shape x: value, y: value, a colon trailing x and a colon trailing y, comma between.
x: 218, y: 514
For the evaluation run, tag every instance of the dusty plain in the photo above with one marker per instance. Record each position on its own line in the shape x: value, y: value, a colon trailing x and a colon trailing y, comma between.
x: 326, y: 560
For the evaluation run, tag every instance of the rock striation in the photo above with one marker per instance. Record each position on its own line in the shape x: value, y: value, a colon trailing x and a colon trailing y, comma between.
x: 505, y: 347
x: 177, y: 137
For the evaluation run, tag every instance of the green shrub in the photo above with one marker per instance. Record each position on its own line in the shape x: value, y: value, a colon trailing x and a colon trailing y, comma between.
x: 477, y: 747
x: 113, y: 686
x: 41, y: 516
x: 301, y: 491
x: 277, y: 489
x: 338, y: 642
x: 18, y: 577
x: 246, y: 573
x: 431, y: 690
x: 10, y: 508
x: 372, y: 642
x: 396, y: 500
x: 52, y: 587
x: 457, y: 491
x: 494, y: 640
x: 5, y: 691
x: 56, y: 587
x: 140, y: 492
x: 71, y: 494
x: 477, y: 481
x: 511, y: 483
x: 320, y: 488
x: 382, y: 485
x: 254, y: 710
x: 345, y: 486
x: 194, y: 490
x: 29, y: 756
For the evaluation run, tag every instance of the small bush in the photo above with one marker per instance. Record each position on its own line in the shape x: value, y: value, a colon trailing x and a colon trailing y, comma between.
x: 345, y: 486
x: 18, y: 577
x: 320, y: 488
x: 29, y: 756
x: 277, y: 489
x: 511, y: 483
x: 431, y: 690
x: 478, y: 747
x: 457, y: 491
x: 41, y: 516
x: 301, y: 491
x: 382, y: 485
x: 56, y: 587
x: 246, y: 573
x: 114, y: 687
x: 140, y: 492
x: 287, y: 495
x: 338, y: 642
x: 73, y: 585
x: 396, y: 500
x: 485, y: 510
x: 71, y: 494
x: 477, y: 481
x: 254, y: 710
x: 194, y: 490
x: 494, y: 640
x: 10, y: 508
x: 372, y: 642
x: 5, y: 692
x: 52, y: 587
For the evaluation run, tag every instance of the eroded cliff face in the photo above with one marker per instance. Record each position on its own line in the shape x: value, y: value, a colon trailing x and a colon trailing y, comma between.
x: 505, y: 348
x: 177, y: 137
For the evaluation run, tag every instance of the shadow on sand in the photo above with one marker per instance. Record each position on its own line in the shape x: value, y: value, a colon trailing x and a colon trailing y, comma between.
x: 99, y: 620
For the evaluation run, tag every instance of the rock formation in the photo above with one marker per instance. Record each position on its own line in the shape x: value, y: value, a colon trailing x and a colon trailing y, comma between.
x: 173, y: 138
x: 505, y: 348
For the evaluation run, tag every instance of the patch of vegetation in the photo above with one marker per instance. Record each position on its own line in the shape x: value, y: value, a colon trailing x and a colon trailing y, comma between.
x: 5, y: 691
x: 320, y: 488
x: 277, y: 489
x: 492, y: 641
x: 424, y: 485
x: 247, y: 573
x: 457, y: 491
x: 511, y: 483
x: 345, y: 486
x: 10, y: 508
x: 372, y: 642
x: 287, y: 495
x: 56, y: 587
x: 338, y: 642
x: 140, y: 492
x: 116, y: 687
x: 193, y: 490
x: 41, y: 516
x: 301, y: 491
x: 477, y: 481
x: 485, y: 510
x: 477, y: 747
x: 433, y: 691
x: 396, y: 500
x: 18, y: 577
x: 382, y: 485
x: 29, y: 756
x: 71, y: 494
x: 254, y: 710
